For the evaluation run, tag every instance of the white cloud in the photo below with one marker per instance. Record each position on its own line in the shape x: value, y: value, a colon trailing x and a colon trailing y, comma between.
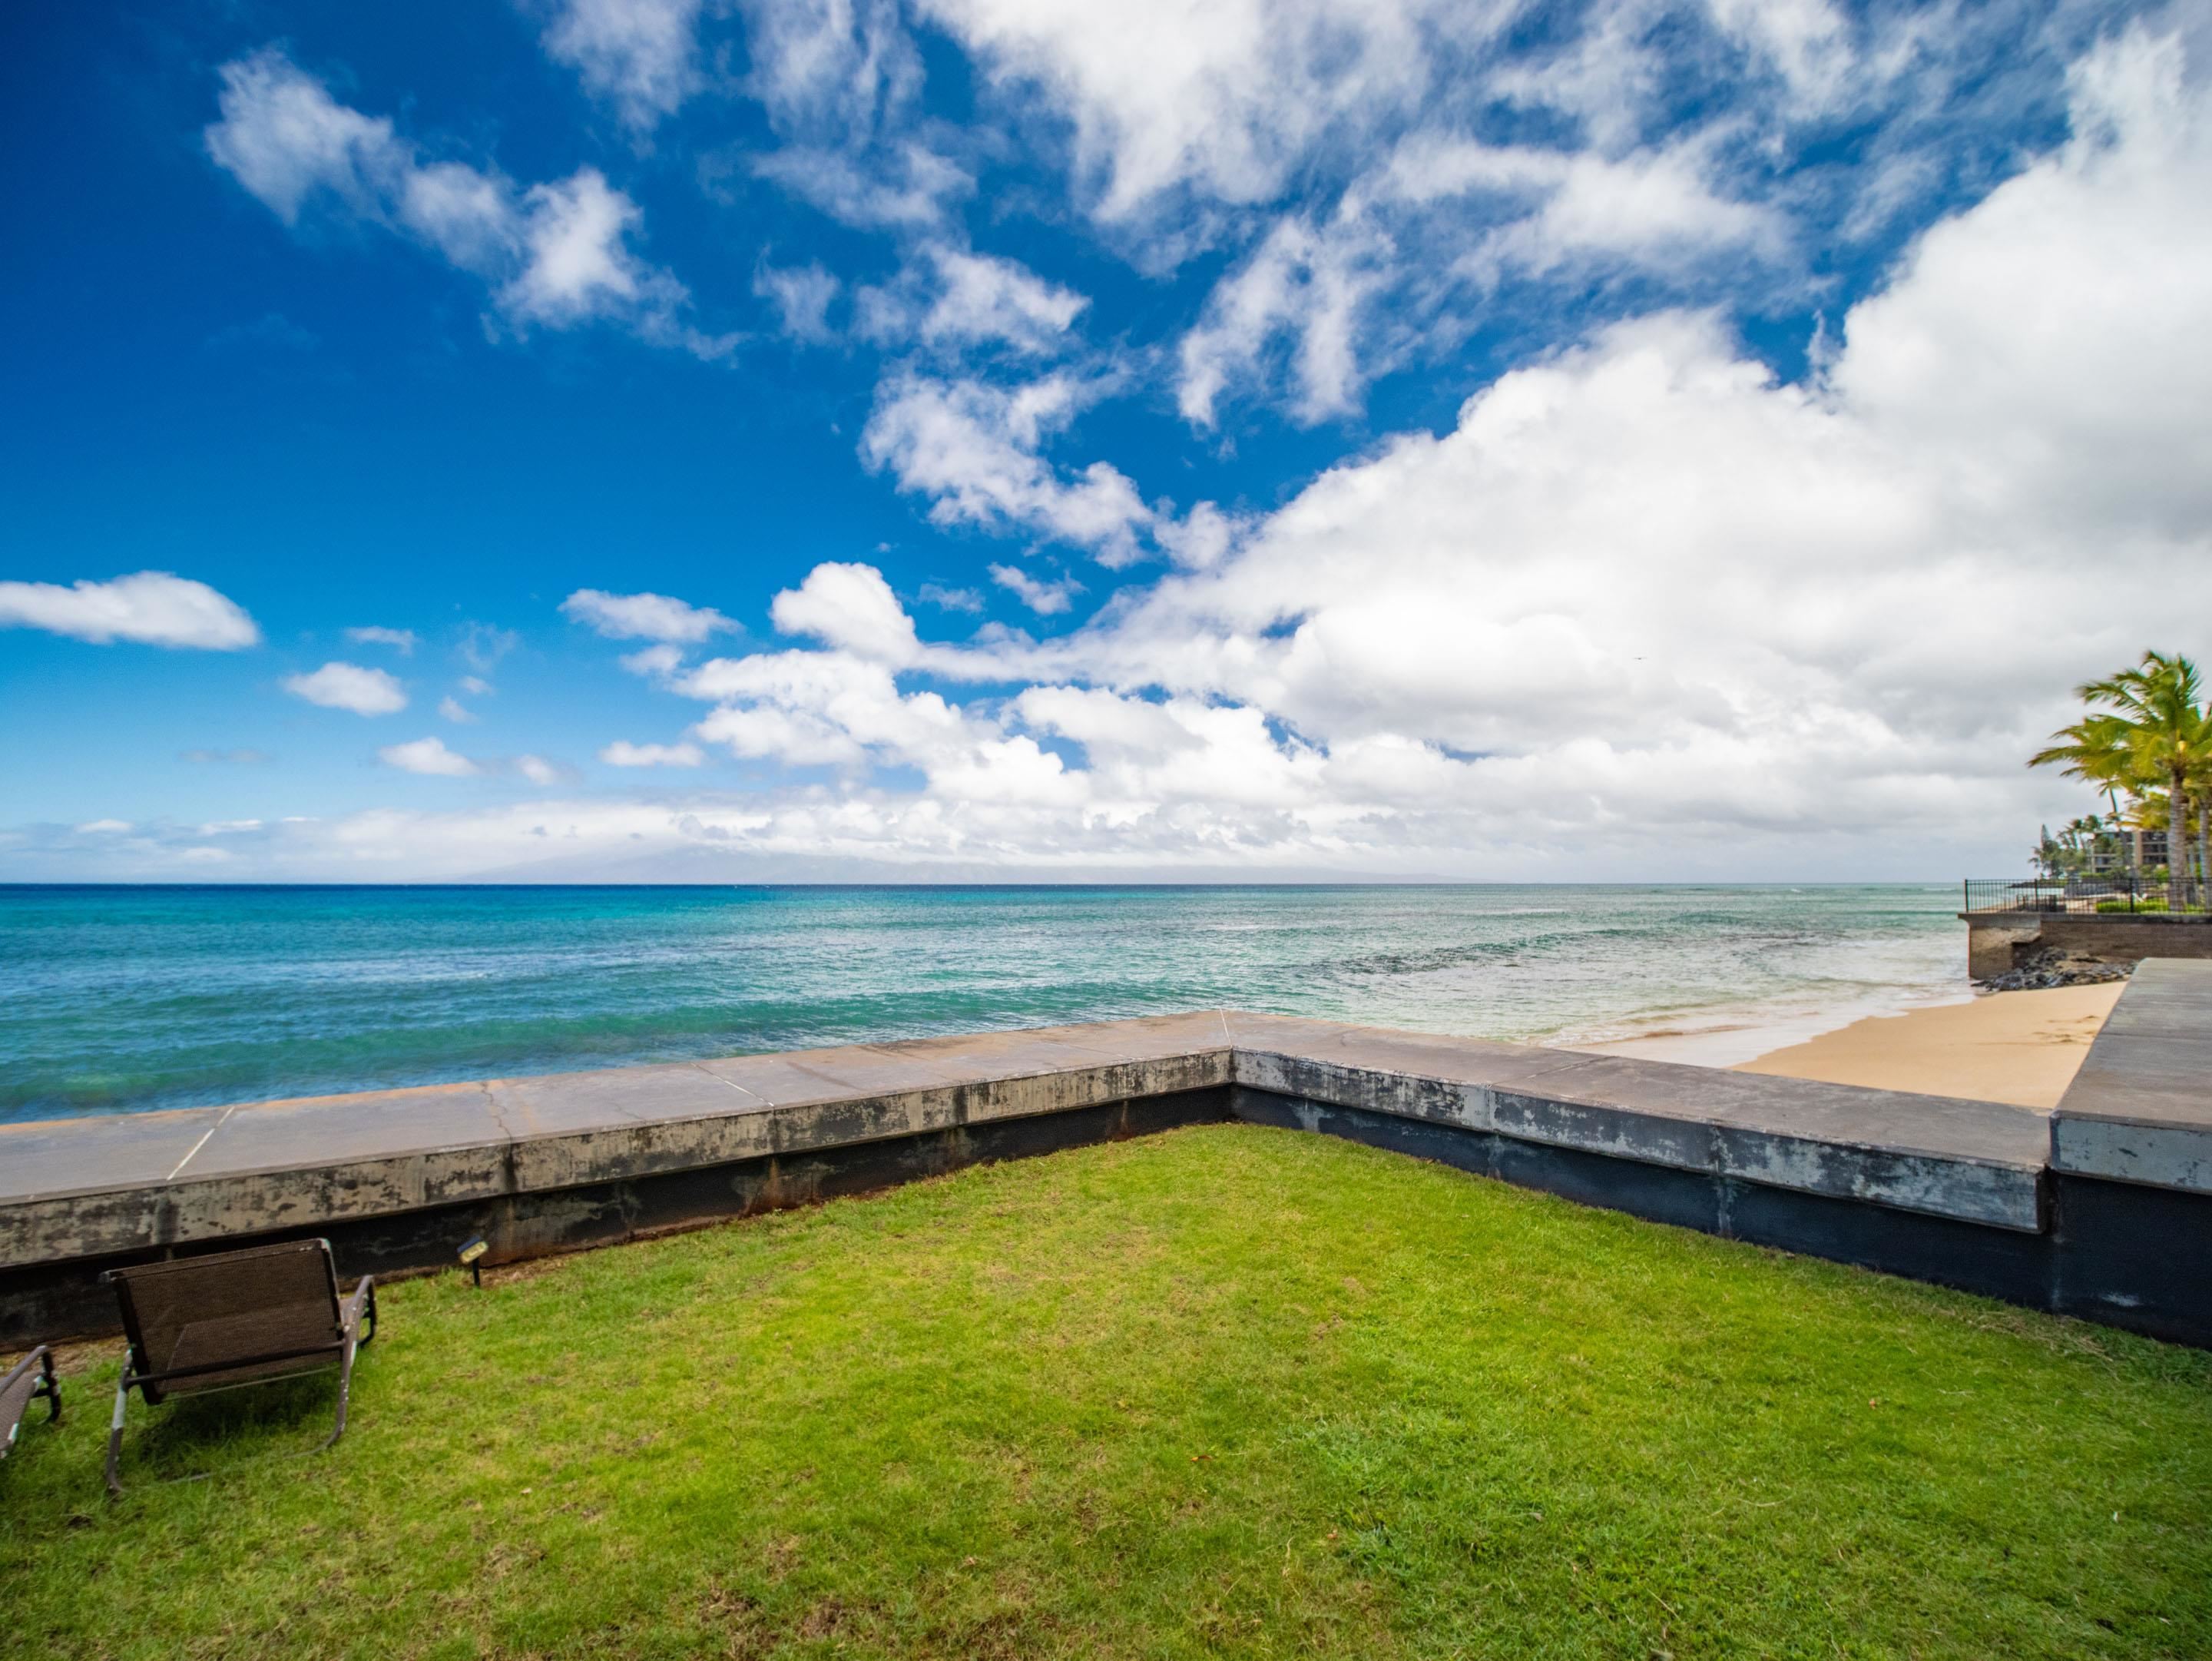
x: 401, y: 641
x: 802, y: 295
x: 985, y: 298
x: 1643, y: 608
x: 1045, y: 599
x: 475, y: 685
x: 106, y: 827
x: 654, y: 662
x: 1443, y: 221
x: 453, y: 709
x: 537, y: 769
x: 954, y: 299
x: 839, y: 80
x: 482, y: 647
x: 1226, y: 101
x: 349, y: 686
x: 555, y: 255
x: 643, y: 616
x: 430, y: 758
x: 578, y: 265
x: 852, y: 608
x: 973, y: 448
x: 640, y: 55
x: 946, y: 598
x: 622, y: 753
x: 908, y: 186
x: 151, y: 607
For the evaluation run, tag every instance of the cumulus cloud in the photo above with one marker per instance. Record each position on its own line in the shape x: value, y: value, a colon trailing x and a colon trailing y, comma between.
x: 430, y: 758
x: 852, y: 608
x: 622, y: 753
x: 349, y: 686
x: 555, y: 255
x: 150, y: 608
x: 538, y: 770
x: 453, y: 709
x: 1644, y: 606
x: 643, y: 616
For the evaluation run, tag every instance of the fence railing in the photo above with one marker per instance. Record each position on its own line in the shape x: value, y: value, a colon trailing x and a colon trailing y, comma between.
x: 2122, y: 894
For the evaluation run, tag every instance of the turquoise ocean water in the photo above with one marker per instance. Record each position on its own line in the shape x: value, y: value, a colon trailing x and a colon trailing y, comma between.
x: 119, y: 1000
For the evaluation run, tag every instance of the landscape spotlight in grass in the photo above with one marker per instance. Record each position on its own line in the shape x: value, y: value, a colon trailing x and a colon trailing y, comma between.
x: 1226, y: 1390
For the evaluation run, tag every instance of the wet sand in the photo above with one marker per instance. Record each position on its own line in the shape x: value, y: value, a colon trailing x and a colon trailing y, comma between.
x: 2019, y: 1047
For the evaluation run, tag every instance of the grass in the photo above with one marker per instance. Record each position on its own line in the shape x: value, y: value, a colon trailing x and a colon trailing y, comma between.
x: 1228, y: 1391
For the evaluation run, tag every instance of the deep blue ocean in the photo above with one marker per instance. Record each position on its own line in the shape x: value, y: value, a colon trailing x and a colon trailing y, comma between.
x: 115, y: 1000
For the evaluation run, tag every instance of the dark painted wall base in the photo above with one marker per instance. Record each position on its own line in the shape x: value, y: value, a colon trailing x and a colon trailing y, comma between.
x: 44, y: 1302
x: 2135, y: 1257
x: 2122, y: 1254
x: 1996, y: 1262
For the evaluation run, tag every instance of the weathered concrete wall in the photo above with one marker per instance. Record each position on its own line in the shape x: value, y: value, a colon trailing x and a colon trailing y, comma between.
x: 2131, y: 1155
x: 1956, y: 1191
x: 1992, y: 950
x: 1995, y: 941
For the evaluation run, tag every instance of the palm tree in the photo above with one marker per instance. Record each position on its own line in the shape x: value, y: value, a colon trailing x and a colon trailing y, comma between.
x: 2095, y: 751
x: 2158, y: 706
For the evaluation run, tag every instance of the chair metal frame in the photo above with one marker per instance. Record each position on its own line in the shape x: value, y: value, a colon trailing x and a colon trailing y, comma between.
x: 41, y: 1361
x: 348, y: 1314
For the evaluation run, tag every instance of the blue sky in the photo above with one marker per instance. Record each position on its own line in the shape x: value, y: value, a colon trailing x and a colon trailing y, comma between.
x: 980, y: 439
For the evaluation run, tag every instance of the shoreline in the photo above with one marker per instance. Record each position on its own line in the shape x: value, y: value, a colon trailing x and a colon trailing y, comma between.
x: 2022, y: 1048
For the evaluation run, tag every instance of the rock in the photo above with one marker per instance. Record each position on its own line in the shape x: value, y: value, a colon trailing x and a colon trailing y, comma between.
x: 2052, y: 967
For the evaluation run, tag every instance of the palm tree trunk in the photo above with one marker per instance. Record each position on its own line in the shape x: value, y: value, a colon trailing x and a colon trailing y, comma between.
x: 2204, y: 847
x: 2177, y: 840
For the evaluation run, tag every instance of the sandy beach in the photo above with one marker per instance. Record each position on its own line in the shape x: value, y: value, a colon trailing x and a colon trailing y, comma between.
x: 2020, y: 1047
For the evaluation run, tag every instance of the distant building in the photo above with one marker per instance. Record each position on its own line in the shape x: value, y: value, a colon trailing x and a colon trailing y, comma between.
x: 2131, y: 850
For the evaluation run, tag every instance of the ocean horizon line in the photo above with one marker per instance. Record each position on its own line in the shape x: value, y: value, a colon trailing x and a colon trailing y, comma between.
x: 1638, y: 885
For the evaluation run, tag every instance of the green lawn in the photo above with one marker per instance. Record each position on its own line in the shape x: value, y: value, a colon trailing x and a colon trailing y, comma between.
x: 1225, y: 1390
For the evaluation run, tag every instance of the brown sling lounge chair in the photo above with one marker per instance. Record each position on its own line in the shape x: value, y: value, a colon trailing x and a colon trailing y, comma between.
x: 28, y: 1380
x: 235, y: 1317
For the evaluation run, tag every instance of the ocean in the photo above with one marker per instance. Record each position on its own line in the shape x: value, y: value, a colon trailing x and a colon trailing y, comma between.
x: 125, y: 999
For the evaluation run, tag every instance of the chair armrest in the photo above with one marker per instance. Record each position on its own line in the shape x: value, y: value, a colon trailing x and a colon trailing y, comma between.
x: 362, y: 1303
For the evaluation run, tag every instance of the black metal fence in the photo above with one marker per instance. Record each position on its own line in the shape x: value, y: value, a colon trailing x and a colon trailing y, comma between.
x: 2122, y: 894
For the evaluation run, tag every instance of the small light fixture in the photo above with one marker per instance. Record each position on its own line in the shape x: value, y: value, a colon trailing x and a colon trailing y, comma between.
x: 471, y: 1253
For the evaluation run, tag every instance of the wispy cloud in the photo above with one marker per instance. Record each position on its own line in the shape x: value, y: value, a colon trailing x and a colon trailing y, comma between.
x: 555, y: 255
x: 401, y: 641
x: 644, y: 617
x: 642, y: 56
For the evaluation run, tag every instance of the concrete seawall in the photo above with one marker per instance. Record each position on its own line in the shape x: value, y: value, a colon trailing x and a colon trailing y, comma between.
x: 1967, y: 1194
x: 1997, y: 940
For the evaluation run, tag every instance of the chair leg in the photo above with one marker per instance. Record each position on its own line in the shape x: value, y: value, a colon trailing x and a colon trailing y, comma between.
x: 115, y: 1428
x: 345, y: 1388
x: 50, y: 1387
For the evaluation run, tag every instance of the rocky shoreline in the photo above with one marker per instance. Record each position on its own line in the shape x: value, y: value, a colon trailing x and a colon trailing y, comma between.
x: 2052, y: 967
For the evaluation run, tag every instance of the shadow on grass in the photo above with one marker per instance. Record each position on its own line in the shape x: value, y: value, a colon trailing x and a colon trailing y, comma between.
x: 186, y: 1438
